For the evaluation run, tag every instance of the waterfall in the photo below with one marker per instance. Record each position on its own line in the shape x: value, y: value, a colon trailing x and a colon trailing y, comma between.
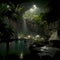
x: 25, y: 29
x: 54, y: 36
x: 24, y: 26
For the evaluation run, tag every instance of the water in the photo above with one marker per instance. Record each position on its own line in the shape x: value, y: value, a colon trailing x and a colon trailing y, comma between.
x: 54, y: 36
x: 16, y: 47
x: 2, y: 48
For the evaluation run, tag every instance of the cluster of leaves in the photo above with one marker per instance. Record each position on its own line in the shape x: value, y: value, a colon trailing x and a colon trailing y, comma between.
x: 38, y: 20
x: 16, y: 10
x: 42, y: 25
x: 10, y: 10
x: 6, y: 31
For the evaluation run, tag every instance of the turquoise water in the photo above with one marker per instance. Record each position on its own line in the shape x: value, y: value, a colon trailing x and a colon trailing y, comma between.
x: 16, y: 47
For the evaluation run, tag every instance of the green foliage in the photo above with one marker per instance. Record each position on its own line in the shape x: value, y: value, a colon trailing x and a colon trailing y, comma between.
x: 42, y: 25
x: 3, y: 8
x: 10, y: 10
x: 16, y: 10
x: 36, y: 18
x: 6, y: 31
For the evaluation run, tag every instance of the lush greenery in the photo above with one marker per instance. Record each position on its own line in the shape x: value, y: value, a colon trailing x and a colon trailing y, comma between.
x: 12, y: 12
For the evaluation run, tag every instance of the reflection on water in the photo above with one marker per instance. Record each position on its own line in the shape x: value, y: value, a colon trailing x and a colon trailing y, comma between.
x: 15, y: 47
x: 2, y: 48
x: 21, y: 56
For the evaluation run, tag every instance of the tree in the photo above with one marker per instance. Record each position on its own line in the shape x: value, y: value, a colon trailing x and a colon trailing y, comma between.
x: 15, y: 16
x: 6, y: 33
x: 13, y: 13
x: 42, y: 25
